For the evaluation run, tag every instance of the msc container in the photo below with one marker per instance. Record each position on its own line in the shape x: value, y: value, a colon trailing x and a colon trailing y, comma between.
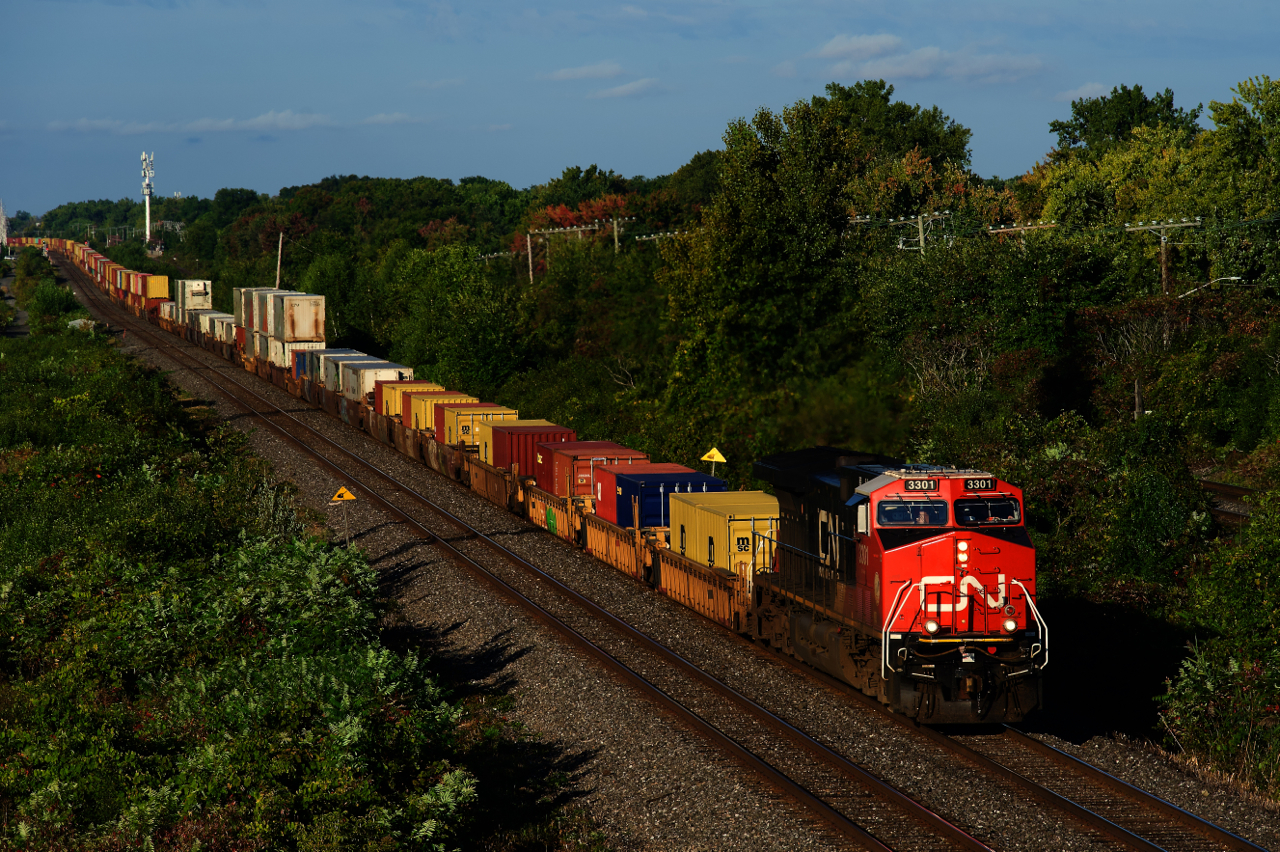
x: 334, y: 372
x: 422, y: 405
x: 313, y: 366
x: 727, y: 529
x: 460, y: 420
x: 358, y: 377
x: 617, y: 488
x: 513, y: 444
x: 297, y: 317
x: 568, y: 468
x: 387, y: 394
x: 262, y: 309
x: 280, y: 352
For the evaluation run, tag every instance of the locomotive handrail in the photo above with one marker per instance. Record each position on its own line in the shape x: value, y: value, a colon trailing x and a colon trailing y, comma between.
x: 1041, y: 625
x: 899, y: 601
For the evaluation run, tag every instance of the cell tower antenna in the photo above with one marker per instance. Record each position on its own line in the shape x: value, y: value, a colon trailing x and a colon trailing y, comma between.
x: 148, y: 172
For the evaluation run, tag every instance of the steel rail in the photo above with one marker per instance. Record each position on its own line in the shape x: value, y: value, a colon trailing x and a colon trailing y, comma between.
x: 798, y: 738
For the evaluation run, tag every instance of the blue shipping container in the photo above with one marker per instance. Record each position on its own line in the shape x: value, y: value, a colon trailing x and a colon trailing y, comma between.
x: 653, y: 490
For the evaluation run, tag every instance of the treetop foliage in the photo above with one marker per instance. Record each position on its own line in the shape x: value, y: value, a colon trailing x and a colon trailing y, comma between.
x: 1098, y: 124
x: 891, y: 129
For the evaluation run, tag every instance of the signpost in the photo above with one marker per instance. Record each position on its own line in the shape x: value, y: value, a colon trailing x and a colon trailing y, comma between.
x: 713, y: 456
x: 344, y: 496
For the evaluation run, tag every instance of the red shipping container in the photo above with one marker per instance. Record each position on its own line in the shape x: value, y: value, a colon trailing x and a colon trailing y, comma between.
x: 607, y: 484
x: 567, y: 469
x: 518, y: 445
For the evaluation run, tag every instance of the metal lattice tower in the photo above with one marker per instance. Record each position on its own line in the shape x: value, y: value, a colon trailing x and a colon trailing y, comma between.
x: 148, y: 172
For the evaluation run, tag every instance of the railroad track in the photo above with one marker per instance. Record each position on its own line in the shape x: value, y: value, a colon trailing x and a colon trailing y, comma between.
x: 851, y: 803
x: 1112, y: 809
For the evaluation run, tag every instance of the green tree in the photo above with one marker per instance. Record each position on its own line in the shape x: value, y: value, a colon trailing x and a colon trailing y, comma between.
x: 891, y: 129
x: 1098, y: 124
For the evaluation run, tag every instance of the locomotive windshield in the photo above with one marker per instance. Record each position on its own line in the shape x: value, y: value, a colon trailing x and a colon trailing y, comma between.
x: 988, y: 511
x: 908, y: 513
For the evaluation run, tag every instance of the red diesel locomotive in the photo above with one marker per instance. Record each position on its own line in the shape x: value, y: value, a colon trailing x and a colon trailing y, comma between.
x: 914, y: 583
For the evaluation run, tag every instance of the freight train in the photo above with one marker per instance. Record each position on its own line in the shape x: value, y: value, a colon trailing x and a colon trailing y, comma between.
x: 913, y: 583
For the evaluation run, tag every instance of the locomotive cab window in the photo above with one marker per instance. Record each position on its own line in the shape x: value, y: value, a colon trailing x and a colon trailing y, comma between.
x: 988, y: 512
x: 911, y: 513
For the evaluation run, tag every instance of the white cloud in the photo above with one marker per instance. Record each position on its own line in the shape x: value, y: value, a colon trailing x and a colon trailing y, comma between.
x: 784, y: 69
x: 438, y: 84
x: 598, y: 71
x: 392, y: 118
x: 858, y: 46
x: 926, y: 62
x: 627, y: 90
x: 1088, y: 90
x: 919, y: 63
x: 278, y: 121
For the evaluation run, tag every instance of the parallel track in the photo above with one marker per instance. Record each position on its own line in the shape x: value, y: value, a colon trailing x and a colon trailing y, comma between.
x: 851, y: 802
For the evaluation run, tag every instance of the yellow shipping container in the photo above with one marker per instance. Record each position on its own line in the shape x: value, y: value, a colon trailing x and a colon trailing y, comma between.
x: 460, y: 423
x: 423, y: 408
x: 391, y: 394
x: 718, y: 529
x: 484, y: 436
x: 157, y: 287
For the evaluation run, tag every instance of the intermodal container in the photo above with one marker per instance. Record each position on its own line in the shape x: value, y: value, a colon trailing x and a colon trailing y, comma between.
x: 313, y: 365
x: 282, y: 351
x: 617, y: 489
x: 445, y: 418
x: 359, y: 379
x: 386, y: 394
x: 262, y: 309
x: 460, y: 422
x: 513, y: 444
x: 297, y: 317
x: 568, y: 469
x: 422, y: 405
x: 157, y: 287
x: 333, y: 373
x: 242, y: 302
x: 728, y: 529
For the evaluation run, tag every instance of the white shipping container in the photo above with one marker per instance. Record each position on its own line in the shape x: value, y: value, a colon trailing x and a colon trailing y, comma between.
x: 333, y: 368
x: 315, y: 367
x: 358, y: 377
x: 207, y: 320
x: 297, y: 316
x: 167, y: 310
x: 244, y: 299
x: 282, y: 350
x: 262, y: 308
x: 193, y: 294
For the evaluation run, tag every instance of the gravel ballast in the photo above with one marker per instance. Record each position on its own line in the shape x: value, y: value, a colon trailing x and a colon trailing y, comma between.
x: 646, y: 781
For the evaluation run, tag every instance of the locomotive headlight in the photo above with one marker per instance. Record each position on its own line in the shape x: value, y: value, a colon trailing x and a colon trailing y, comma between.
x: 931, y: 627
x: 962, y: 557
x: 962, y: 546
x: 1010, y: 625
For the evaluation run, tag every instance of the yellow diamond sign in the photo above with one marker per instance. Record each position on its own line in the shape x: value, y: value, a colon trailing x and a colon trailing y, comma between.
x: 343, y: 494
x: 714, y: 456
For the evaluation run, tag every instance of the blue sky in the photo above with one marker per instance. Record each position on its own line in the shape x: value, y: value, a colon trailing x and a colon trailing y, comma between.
x: 272, y: 94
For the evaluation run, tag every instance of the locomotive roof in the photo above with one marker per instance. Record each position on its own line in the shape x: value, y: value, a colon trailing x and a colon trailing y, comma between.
x: 917, y: 471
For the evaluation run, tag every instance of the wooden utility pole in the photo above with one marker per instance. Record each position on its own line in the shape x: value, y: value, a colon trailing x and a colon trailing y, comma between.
x: 1162, y: 228
x: 279, y: 254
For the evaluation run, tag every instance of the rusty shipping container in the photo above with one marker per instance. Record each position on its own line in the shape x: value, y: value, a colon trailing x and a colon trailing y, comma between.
x: 568, y: 469
x: 297, y: 317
